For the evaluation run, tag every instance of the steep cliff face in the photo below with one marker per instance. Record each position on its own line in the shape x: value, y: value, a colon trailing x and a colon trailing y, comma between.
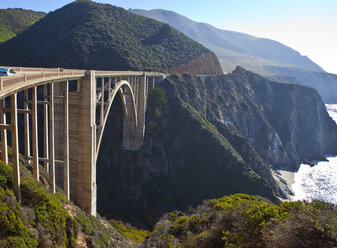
x: 183, y: 161
x: 214, y: 136
x: 204, y: 64
x: 324, y: 83
x: 284, y: 123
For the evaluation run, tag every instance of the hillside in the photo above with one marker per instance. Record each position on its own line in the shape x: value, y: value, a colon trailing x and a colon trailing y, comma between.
x: 213, y: 136
x: 42, y: 219
x: 324, y: 83
x: 89, y: 35
x: 266, y: 57
x: 14, y: 21
x: 228, y: 45
x: 245, y: 221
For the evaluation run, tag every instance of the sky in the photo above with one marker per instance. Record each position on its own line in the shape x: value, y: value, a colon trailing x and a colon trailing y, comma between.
x: 309, y: 27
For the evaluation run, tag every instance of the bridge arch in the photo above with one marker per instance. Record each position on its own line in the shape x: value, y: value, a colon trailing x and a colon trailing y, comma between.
x: 130, y: 125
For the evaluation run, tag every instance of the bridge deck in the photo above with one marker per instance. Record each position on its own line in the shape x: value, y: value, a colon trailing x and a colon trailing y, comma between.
x: 28, y: 77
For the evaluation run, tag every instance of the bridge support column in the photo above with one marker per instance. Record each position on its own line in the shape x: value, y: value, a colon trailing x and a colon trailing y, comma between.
x: 45, y: 130
x: 141, y: 109
x: 66, y: 185
x: 26, y: 125
x: 83, y: 142
x: 4, y: 150
x: 15, y: 147
x: 51, y: 140
x: 36, y: 173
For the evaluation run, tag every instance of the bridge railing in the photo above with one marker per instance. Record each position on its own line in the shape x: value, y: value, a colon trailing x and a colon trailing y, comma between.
x: 26, y: 74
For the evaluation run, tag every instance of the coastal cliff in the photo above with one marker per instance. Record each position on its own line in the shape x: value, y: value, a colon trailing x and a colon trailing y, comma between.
x: 214, y: 136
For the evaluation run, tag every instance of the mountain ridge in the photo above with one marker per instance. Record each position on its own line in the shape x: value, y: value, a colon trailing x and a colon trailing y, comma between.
x: 266, y: 57
x: 236, y: 41
x: 14, y: 21
x: 88, y: 35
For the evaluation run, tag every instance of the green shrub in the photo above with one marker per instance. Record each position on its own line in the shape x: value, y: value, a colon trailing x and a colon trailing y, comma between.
x: 13, y: 233
x: 246, y: 221
x: 136, y: 235
x: 49, y: 212
x: 92, y: 227
x: 6, y: 176
x: 156, y: 99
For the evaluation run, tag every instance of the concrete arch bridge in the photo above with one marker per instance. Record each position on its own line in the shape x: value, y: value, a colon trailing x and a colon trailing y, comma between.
x: 74, y: 106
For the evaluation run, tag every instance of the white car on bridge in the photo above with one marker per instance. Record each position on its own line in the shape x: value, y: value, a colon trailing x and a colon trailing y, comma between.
x: 6, y: 71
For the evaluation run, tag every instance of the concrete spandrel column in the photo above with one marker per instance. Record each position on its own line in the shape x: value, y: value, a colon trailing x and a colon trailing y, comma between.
x: 26, y: 125
x: 109, y: 90
x: 4, y: 150
x: 35, y: 154
x: 66, y: 186
x: 15, y: 147
x: 141, y: 107
x: 45, y: 130
x: 51, y: 140
x: 102, y: 104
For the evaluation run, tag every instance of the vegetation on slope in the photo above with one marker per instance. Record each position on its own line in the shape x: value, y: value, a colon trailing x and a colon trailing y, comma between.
x: 126, y: 230
x: 14, y: 21
x: 89, y: 35
x: 246, y: 221
x: 48, y: 220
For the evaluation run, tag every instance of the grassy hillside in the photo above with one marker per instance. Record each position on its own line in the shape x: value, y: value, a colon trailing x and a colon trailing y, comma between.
x: 89, y: 35
x: 14, y: 21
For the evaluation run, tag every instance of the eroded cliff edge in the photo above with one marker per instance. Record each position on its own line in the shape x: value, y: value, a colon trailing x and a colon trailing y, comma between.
x: 213, y: 136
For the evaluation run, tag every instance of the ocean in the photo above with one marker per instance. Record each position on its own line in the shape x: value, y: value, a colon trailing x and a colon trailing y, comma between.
x: 320, y: 181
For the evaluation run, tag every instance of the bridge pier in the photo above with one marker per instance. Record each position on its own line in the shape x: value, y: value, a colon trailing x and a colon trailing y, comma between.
x: 82, y: 129
x: 35, y: 155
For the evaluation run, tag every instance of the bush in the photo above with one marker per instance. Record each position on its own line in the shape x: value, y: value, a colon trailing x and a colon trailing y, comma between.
x: 126, y: 230
x: 246, y: 221
x: 156, y: 99
x: 55, y: 222
x: 6, y: 176
x: 13, y: 233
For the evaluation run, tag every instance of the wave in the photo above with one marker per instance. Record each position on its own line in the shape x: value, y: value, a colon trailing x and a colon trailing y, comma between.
x: 332, y: 110
x: 320, y: 181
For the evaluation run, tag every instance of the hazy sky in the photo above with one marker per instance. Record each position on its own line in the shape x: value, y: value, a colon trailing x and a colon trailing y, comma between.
x: 308, y: 26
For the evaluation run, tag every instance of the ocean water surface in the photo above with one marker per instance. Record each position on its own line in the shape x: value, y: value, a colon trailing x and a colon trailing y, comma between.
x: 320, y: 181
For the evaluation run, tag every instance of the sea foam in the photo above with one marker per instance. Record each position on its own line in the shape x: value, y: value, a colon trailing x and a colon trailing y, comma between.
x: 332, y: 110
x: 320, y: 181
